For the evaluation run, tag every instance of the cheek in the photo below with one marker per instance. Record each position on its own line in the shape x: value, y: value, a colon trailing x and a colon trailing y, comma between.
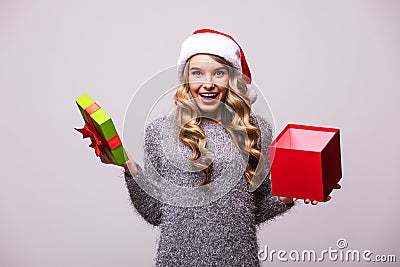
x: 223, y: 88
x: 193, y: 89
x: 226, y: 82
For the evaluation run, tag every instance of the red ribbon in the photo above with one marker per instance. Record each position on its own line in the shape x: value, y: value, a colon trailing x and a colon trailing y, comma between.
x: 89, y: 131
x: 98, y: 142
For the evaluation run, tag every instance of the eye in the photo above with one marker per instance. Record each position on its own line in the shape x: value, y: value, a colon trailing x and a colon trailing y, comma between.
x: 219, y: 73
x: 196, y: 73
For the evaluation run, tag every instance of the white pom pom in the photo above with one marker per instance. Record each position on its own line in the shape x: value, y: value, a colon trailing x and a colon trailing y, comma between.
x: 252, y: 94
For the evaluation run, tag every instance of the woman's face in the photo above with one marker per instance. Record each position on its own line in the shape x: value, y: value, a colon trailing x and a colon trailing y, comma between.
x: 208, y: 83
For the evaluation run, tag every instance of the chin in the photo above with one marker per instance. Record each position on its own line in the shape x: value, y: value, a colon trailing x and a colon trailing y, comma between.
x: 209, y: 111
x: 208, y: 108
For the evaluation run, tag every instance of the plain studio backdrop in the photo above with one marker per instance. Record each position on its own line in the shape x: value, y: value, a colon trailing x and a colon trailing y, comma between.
x: 327, y: 63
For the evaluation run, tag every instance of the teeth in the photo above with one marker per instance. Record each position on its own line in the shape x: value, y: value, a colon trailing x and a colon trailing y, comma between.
x: 209, y: 94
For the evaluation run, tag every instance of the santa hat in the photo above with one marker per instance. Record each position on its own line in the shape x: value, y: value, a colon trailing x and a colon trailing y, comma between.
x: 213, y: 42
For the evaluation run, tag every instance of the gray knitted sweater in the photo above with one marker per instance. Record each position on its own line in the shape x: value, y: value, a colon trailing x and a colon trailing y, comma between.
x: 221, y: 232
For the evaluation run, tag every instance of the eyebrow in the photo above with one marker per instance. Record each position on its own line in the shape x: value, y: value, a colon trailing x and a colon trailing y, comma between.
x: 219, y: 68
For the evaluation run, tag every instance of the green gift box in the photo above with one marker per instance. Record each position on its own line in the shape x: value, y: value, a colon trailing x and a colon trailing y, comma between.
x: 101, y: 130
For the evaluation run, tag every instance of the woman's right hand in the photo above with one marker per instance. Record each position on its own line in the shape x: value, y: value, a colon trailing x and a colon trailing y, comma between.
x: 129, y: 165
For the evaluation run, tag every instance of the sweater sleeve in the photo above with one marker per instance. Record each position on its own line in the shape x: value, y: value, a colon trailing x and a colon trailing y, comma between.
x: 146, y: 205
x: 267, y: 205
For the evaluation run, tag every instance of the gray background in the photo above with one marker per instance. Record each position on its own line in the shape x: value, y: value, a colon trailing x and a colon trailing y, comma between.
x: 331, y: 63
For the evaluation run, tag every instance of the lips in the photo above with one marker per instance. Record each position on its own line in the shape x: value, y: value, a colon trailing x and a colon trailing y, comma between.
x: 209, y: 95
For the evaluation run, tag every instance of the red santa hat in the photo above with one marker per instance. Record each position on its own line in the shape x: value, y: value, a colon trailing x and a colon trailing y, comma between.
x: 213, y: 42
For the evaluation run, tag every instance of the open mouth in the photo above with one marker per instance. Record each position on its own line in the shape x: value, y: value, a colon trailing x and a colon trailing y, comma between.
x: 209, y: 95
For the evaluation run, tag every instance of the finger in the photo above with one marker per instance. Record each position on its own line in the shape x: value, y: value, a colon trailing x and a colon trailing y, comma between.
x: 101, y: 157
x: 328, y: 198
x: 108, y: 157
x: 314, y: 202
x: 128, y: 154
x: 105, y: 158
x: 306, y: 201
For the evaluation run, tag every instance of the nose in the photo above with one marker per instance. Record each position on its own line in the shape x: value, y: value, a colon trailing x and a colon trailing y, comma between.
x: 208, y: 83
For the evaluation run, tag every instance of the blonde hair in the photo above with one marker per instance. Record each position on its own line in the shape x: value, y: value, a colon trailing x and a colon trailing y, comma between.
x: 237, y: 120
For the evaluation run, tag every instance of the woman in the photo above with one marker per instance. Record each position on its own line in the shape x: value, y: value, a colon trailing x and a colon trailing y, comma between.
x: 216, y: 129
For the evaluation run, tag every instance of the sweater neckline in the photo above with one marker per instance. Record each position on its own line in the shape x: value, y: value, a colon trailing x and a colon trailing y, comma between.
x: 211, y: 123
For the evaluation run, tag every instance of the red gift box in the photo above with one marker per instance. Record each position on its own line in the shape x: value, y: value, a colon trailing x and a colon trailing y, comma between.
x: 305, y: 162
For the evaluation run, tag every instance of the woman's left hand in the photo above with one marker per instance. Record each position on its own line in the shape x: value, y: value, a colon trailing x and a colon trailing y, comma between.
x: 289, y: 200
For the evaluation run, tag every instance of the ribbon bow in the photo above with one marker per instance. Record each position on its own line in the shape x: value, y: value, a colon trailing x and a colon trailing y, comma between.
x: 97, y: 141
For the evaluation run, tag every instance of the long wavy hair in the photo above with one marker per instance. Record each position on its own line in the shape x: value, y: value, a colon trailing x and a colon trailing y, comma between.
x: 236, y: 117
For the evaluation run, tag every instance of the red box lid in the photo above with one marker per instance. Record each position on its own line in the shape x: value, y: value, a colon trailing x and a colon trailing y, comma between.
x: 304, y: 137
